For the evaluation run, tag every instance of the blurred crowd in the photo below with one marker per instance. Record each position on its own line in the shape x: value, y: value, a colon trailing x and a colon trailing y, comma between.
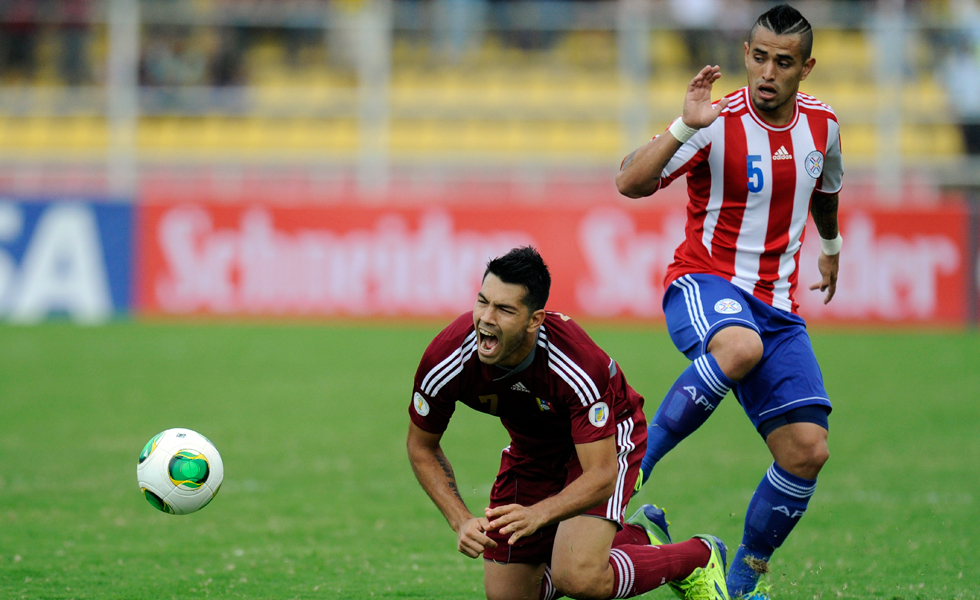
x: 64, y: 41
x: 24, y: 22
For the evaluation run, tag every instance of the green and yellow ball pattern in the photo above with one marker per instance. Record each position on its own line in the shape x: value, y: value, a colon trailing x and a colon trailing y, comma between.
x: 189, y: 469
x: 150, y: 446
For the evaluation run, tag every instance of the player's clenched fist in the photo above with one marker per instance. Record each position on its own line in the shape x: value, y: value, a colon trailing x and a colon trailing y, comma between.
x: 520, y: 521
x: 472, y: 539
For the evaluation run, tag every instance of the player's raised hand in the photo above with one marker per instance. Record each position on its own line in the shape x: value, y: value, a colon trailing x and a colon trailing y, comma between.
x: 520, y: 521
x: 829, y: 266
x: 472, y: 539
x: 698, y: 110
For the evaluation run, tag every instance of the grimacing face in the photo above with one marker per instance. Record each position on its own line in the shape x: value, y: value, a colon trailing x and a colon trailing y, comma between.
x: 775, y: 67
x: 505, y: 327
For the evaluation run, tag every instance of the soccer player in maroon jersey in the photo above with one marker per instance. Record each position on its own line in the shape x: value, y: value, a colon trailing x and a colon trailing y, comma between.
x: 757, y: 162
x: 555, y: 521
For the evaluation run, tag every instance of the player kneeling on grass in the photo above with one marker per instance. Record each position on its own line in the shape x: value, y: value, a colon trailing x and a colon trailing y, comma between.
x: 555, y: 522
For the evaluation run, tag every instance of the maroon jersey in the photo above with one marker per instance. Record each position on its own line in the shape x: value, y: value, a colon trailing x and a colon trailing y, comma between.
x: 570, y: 393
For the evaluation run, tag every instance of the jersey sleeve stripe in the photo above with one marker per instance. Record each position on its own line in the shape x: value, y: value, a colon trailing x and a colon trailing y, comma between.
x: 446, y: 362
x: 437, y: 385
x: 450, y: 367
x: 575, y: 371
x: 556, y: 359
x: 559, y: 370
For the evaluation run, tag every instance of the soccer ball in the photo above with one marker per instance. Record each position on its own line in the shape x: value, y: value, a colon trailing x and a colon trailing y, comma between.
x: 179, y: 471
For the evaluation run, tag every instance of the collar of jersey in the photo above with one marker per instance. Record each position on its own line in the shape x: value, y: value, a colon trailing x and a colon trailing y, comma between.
x: 762, y: 123
x: 524, y: 363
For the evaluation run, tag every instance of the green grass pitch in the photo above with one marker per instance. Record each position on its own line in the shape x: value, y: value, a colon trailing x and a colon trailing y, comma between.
x: 319, y: 500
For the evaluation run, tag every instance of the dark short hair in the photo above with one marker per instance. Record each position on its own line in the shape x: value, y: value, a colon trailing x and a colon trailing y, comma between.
x: 786, y: 20
x: 524, y: 266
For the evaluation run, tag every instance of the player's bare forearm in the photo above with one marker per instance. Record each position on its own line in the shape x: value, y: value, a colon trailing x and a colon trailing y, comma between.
x: 640, y: 172
x: 823, y: 208
x: 593, y: 487
x: 639, y: 176
x: 436, y: 476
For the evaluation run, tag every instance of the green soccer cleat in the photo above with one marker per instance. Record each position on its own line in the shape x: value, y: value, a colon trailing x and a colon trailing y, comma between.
x: 708, y: 582
x: 760, y: 592
x: 654, y: 521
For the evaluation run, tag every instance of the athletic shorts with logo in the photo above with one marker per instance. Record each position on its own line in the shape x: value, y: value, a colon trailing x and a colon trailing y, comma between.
x: 698, y: 306
x: 515, y: 484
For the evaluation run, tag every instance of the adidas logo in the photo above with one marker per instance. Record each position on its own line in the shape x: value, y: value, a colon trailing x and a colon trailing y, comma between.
x: 782, y: 154
x: 519, y: 387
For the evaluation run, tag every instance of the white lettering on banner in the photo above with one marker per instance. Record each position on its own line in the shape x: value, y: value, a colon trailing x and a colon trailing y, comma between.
x: 11, y: 224
x: 883, y: 276
x: 62, y: 269
x: 390, y: 269
x: 626, y: 267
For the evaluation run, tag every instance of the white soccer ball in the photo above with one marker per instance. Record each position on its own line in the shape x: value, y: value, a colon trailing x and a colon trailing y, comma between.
x: 179, y: 471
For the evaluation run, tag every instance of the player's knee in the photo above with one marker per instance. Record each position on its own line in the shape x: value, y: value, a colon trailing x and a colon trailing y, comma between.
x: 580, y: 584
x: 738, y: 350
x: 818, y: 455
x: 809, y: 458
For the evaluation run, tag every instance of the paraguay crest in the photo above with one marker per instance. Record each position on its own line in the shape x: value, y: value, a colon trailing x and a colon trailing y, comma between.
x: 728, y: 306
x: 814, y: 163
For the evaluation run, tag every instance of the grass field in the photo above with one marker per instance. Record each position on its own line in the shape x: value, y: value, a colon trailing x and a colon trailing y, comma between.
x: 319, y: 500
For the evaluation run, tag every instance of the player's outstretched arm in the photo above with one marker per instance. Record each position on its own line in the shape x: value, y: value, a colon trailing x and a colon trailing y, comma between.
x: 436, y: 476
x: 593, y: 487
x: 639, y: 174
x: 823, y: 207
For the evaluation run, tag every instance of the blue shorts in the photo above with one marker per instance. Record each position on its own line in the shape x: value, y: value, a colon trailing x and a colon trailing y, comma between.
x: 788, y: 377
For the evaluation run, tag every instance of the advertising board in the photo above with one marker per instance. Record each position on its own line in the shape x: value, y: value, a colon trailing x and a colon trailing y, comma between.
x: 65, y: 257
x: 607, y: 261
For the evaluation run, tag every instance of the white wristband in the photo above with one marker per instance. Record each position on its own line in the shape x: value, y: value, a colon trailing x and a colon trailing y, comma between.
x: 681, y: 131
x: 832, y: 247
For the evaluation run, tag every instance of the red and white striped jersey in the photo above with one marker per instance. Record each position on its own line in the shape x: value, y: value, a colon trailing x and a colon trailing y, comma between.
x: 750, y: 186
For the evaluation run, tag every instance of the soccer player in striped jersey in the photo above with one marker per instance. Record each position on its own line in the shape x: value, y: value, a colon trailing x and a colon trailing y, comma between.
x: 756, y: 162
x: 555, y: 521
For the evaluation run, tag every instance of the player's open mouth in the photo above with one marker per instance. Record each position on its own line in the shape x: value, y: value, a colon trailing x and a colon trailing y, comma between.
x: 487, y: 341
x: 767, y: 92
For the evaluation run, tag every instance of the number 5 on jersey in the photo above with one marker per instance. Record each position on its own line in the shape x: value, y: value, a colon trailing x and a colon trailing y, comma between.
x: 756, y: 179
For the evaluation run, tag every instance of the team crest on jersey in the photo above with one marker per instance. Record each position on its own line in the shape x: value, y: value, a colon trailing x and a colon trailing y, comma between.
x: 544, y: 405
x: 598, y: 414
x: 421, y: 406
x: 728, y: 306
x: 814, y: 163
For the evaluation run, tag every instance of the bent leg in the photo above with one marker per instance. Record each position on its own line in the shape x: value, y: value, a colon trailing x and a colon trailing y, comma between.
x: 580, y: 560
x: 512, y: 581
x: 732, y: 353
x: 584, y: 567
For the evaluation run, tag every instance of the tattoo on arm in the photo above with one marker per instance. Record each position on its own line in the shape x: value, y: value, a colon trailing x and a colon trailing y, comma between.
x: 450, y: 476
x: 628, y: 160
x: 824, y: 211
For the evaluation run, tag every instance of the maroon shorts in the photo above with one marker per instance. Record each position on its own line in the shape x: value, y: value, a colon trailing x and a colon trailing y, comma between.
x: 512, y: 488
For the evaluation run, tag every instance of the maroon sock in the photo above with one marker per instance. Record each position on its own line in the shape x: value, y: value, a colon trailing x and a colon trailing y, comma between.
x: 639, y: 569
x: 631, y: 535
x: 548, y: 591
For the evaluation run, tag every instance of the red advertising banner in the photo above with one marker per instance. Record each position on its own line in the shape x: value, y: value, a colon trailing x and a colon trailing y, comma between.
x: 607, y: 261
